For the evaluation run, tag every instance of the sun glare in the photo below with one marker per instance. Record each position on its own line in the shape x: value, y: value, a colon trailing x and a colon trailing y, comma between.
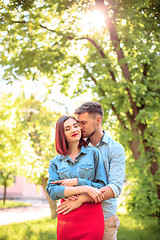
x: 92, y: 20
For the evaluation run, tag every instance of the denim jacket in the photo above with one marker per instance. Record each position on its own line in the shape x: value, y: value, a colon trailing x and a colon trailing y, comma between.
x: 88, y: 168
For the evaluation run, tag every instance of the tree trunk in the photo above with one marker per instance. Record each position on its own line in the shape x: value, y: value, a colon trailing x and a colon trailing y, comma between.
x: 5, y: 192
x: 52, y: 203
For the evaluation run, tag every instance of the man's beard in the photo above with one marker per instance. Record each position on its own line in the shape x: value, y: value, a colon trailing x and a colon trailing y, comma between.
x: 90, y: 135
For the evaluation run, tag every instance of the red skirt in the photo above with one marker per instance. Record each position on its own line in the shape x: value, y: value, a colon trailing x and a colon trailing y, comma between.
x: 83, y: 223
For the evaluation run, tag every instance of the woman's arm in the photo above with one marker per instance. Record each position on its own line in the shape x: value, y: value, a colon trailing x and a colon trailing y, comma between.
x: 56, y: 191
x: 96, y: 194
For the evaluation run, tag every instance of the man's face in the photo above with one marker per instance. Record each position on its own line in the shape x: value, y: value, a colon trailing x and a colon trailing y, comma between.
x: 88, y: 124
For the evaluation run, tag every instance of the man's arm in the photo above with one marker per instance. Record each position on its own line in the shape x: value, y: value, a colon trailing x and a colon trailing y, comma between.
x: 116, y: 168
x: 68, y: 206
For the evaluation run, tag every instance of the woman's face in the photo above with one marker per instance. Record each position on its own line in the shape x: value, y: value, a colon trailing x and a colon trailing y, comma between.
x: 72, y: 130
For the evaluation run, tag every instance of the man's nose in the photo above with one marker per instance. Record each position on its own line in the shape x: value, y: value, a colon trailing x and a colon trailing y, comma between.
x: 81, y: 127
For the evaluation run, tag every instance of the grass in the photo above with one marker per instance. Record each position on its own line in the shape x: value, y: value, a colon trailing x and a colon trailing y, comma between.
x: 13, y: 204
x: 44, y: 229
x: 132, y: 228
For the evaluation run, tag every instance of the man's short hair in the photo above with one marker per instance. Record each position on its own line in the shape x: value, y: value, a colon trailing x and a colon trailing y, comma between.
x: 90, y: 107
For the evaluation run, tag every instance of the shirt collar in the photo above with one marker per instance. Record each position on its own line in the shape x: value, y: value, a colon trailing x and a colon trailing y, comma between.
x: 66, y: 158
x: 83, y: 150
x: 104, y: 139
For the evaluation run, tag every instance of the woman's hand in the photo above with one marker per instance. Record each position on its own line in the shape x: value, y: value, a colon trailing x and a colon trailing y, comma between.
x: 70, y: 205
x: 67, y: 182
x: 96, y: 194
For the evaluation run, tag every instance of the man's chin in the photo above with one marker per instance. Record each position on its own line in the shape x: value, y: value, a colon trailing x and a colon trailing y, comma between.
x: 85, y: 135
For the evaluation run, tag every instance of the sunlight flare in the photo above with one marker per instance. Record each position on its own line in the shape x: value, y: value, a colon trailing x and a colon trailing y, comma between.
x: 93, y: 20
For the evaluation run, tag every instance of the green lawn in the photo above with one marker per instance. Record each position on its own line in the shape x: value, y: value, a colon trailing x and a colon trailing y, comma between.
x: 132, y: 228
x: 13, y: 204
x: 44, y: 229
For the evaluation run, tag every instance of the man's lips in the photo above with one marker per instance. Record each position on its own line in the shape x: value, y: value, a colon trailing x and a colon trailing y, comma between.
x: 75, y: 134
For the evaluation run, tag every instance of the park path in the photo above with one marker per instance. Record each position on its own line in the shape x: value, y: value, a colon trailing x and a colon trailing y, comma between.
x: 39, y: 209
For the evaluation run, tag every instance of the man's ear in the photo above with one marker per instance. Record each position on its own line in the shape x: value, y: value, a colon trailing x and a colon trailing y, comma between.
x: 98, y: 119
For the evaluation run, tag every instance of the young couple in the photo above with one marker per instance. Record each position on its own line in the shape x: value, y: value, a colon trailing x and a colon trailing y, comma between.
x: 87, y: 176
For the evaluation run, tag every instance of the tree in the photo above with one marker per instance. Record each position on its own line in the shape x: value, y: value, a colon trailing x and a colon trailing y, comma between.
x: 119, y: 63
x: 38, y: 122
x: 27, y: 142
x: 10, y: 144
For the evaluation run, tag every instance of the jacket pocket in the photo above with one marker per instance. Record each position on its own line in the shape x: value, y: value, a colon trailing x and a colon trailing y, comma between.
x: 87, y: 171
x: 64, y: 173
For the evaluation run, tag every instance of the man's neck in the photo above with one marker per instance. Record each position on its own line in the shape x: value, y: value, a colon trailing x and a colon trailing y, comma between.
x: 97, y: 137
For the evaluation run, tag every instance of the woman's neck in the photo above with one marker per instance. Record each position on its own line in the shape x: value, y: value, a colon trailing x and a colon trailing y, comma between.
x: 73, y: 150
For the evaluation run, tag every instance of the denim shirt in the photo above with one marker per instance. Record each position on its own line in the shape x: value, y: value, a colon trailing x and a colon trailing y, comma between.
x: 88, y: 168
x: 113, y: 155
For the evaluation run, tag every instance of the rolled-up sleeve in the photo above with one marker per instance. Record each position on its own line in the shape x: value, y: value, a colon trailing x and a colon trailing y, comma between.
x: 116, y: 168
x: 55, y: 191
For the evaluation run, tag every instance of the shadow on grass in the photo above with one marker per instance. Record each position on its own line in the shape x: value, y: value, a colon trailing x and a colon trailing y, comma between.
x: 128, y: 234
x: 135, y: 228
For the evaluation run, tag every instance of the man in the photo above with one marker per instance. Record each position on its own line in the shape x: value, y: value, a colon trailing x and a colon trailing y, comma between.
x: 90, y: 116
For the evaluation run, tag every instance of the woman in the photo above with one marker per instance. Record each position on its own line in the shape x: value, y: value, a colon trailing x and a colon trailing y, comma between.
x: 75, y: 166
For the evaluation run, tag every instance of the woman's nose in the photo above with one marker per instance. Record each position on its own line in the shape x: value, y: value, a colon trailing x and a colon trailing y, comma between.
x: 74, y: 129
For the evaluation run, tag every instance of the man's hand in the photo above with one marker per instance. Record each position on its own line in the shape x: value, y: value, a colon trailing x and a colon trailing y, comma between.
x: 72, y: 198
x: 68, y: 206
x: 67, y: 182
x: 96, y: 194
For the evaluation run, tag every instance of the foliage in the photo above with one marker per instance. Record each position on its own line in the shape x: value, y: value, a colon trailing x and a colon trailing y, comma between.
x: 119, y: 62
x: 10, y: 143
x: 38, y: 123
x: 27, y: 142
x: 132, y: 227
x: 140, y: 196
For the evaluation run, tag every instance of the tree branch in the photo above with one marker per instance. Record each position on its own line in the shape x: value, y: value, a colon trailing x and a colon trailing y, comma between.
x: 102, y: 91
x: 110, y: 22
x: 39, y: 25
x: 118, y: 116
x: 102, y: 54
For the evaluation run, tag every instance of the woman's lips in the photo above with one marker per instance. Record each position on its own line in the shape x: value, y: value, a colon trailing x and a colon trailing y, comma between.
x: 74, y: 135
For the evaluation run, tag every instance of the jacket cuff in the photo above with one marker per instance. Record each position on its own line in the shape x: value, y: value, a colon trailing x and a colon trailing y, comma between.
x: 114, y: 189
x: 59, y: 194
x: 81, y: 182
